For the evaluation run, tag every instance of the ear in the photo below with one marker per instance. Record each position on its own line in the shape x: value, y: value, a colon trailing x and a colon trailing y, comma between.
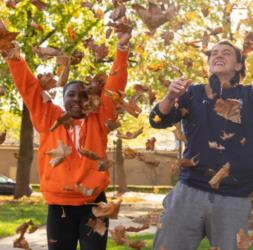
x: 238, y: 67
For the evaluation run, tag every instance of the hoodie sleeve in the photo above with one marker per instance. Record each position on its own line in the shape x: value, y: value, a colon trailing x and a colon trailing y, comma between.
x: 42, y: 113
x: 160, y: 120
x: 116, y: 81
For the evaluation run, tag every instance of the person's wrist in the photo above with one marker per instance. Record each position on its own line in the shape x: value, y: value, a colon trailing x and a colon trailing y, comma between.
x: 123, y: 47
x: 170, y: 98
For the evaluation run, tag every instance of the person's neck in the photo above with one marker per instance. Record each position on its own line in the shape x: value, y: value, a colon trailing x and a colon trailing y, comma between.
x: 225, y: 81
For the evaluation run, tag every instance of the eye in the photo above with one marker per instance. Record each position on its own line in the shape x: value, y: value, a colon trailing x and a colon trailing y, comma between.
x: 83, y: 95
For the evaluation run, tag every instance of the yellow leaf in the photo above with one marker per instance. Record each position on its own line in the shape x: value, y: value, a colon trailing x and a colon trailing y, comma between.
x: 191, y: 15
x: 99, y: 13
x: 156, y: 118
x: 229, y: 8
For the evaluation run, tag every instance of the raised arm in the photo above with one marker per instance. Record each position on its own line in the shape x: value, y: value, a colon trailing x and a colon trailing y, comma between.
x: 42, y: 114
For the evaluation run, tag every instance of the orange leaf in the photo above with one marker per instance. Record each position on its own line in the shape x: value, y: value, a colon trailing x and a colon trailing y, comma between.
x: 109, y: 210
x: 220, y: 175
x: 244, y: 242
x: 65, y: 120
x: 138, y: 245
x: 150, y: 144
x: 36, y: 26
x: 59, y: 154
x: 229, y: 109
x: 130, y: 135
x: 119, y: 235
x: 46, y: 81
x: 129, y: 153
x: 71, y: 33
x: 156, y: 118
x: 97, y: 225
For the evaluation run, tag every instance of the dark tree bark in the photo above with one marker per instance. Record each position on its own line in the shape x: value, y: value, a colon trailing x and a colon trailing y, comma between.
x: 121, y: 175
x: 25, y: 155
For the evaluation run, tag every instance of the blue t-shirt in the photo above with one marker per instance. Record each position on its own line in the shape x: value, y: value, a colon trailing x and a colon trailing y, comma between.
x: 202, y: 125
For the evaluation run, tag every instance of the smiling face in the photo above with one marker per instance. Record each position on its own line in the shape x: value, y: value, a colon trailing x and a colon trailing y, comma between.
x: 223, y: 61
x: 74, y: 96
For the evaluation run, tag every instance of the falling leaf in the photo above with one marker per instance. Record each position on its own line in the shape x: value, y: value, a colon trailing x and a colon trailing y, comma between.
x: 46, y: 97
x: 167, y: 37
x: 138, y: 245
x: 97, y: 225
x: 84, y: 190
x: 109, y: 210
x: 130, y: 135
x: 243, y: 140
x: 2, y: 92
x: 71, y: 33
x: 119, y: 235
x: 63, y: 78
x: 188, y: 62
x: 99, y: 13
x: 39, y: 4
x: 108, y: 33
x: 123, y: 26
x: 6, y: 38
x: 141, y: 88
x: 76, y: 57
x: 46, y: 81
x: 191, y: 15
x: 129, y: 153
x: 184, y: 112
x: 12, y: 3
x: 65, y: 120
x: 216, y: 31
x: 137, y: 229
x: 21, y: 243
x: 150, y: 144
x: 151, y: 218
x: 225, y: 136
x: 2, y: 137
x: 112, y: 125
x: 36, y: 26
x: 105, y: 164
x: 89, y: 154
x: 229, y: 7
x: 229, y: 109
x: 205, y: 10
x: 243, y: 241
x: 205, y: 40
x: 248, y: 43
x: 220, y: 175
x: 148, y: 160
x: 179, y: 135
x: 215, y: 145
x: 46, y: 53
x: 59, y: 154
x: 118, y: 13
x: 156, y: 119
x: 192, y: 162
x: 154, y: 16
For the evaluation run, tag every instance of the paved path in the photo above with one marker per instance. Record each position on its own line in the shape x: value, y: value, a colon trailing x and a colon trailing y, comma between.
x: 148, y: 203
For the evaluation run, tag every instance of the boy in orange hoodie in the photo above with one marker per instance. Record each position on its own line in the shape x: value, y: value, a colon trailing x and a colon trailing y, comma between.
x: 68, y: 208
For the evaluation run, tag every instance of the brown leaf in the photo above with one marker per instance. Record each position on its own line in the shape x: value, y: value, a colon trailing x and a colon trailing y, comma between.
x: 46, y: 81
x: 124, y: 26
x: 229, y: 109
x: 36, y: 26
x: 6, y: 38
x: 89, y: 154
x: 109, y: 210
x: 119, y: 235
x: 97, y: 225
x: 215, y: 145
x: 2, y: 137
x: 76, y: 57
x: 220, y: 175
x: 148, y: 219
x: 188, y: 62
x: 138, y: 245
x: 244, y: 242
x: 12, y: 3
x: 105, y: 164
x: 225, y: 136
x: 118, y: 13
x: 46, y: 97
x: 205, y: 10
x: 248, y: 43
x: 192, y: 162
x: 243, y: 140
x: 137, y: 229
x: 139, y: 88
x: 59, y: 154
x: 2, y: 91
x: 154, y: 16
x: 63, y: 78
x: 65, y: 120
x: 108, y: 33
x: 39, y: 4
x: 178, y: 133
x: 148, y: 160
x: 150, y: 144
x: 205, y: 40
x: 112, y: 125
x: 84, y: 190
x: 46, y: 53
x: 130, y: 135
x: 21, y: 243
x: 167, y: 37
x: 129, y: 153
x: 216, y: 31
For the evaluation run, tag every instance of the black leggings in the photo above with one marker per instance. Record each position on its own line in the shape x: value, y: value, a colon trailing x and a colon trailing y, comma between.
x: 63, y: 233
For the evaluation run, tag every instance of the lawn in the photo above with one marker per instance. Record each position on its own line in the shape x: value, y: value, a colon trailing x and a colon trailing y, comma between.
x: 14, y: 213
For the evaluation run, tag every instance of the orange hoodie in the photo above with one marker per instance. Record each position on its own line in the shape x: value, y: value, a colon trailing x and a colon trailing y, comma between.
x: 58, y: 183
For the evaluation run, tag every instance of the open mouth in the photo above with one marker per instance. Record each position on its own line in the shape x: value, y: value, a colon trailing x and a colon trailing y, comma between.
x: 219, y: 63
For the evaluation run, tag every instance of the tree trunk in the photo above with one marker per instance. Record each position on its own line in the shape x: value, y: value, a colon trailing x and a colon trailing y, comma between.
x: 121, y: 176
x: 25, y: 155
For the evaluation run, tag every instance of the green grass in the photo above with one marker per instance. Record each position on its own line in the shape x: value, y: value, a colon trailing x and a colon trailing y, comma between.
x: 14, y: 213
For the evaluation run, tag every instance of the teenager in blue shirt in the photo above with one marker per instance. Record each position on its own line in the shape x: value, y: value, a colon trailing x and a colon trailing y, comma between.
x: 194, y: 208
